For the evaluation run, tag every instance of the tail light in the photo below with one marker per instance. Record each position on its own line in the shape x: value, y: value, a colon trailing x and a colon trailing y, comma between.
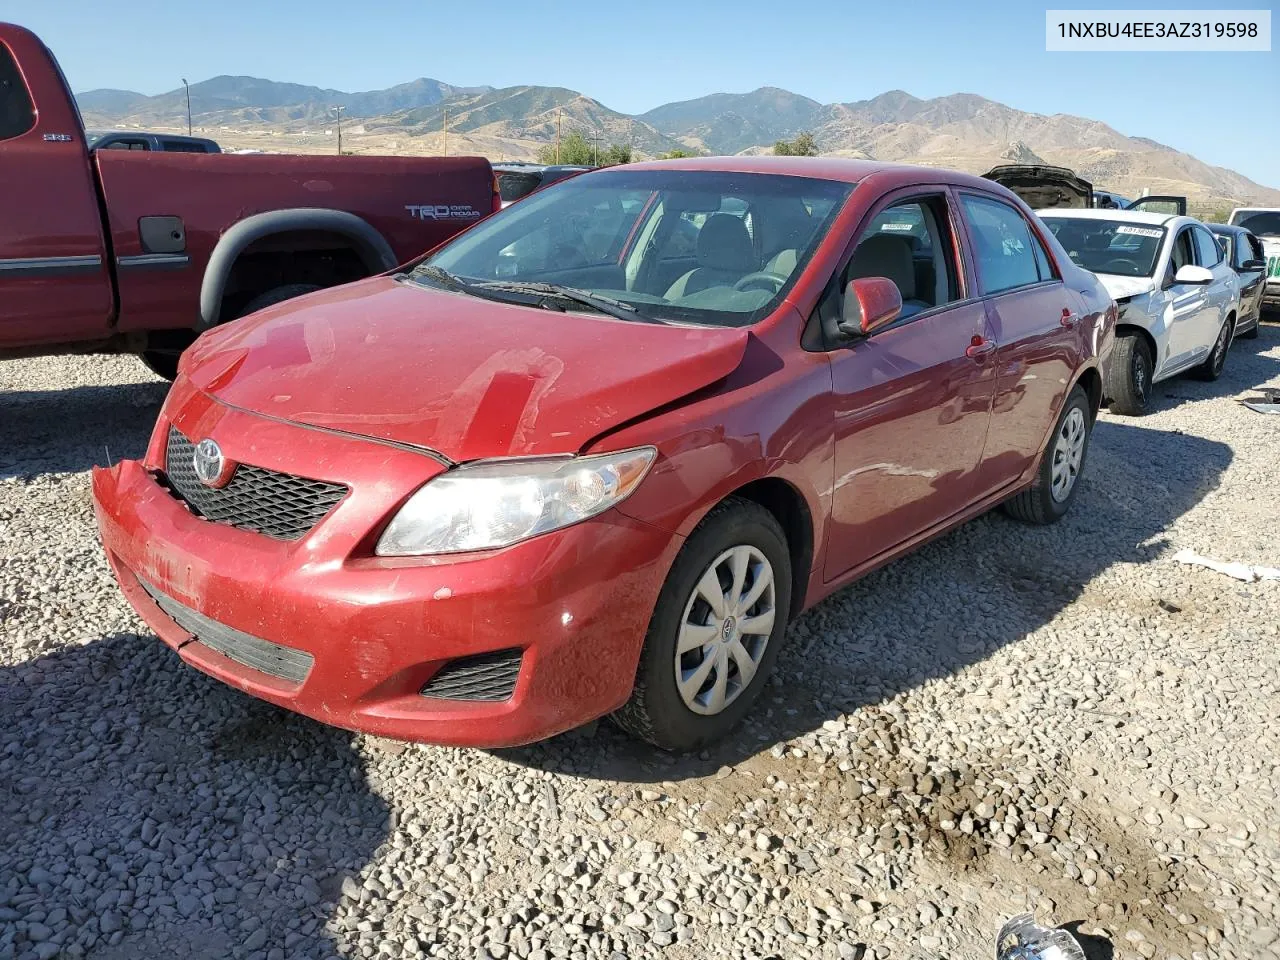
x: 497, y: 195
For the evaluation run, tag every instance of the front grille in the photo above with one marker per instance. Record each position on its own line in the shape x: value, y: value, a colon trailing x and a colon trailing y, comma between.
x: 262, y: 655
x: 486, y: 676
x: 278, y: 505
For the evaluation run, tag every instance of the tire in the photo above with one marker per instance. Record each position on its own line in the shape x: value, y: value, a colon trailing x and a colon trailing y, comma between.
x: 1044, y: 502
x: 276, y: 295
x: 163, y: 363
x: 1128, y: 386
x: 162, y: 359
x: 1214, y: 364
x: 658, y: 711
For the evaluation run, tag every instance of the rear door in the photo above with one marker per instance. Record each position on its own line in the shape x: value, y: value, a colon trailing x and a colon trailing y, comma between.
x: 1173, y: 206
x: 1035, y: 322
x: 54, y: 284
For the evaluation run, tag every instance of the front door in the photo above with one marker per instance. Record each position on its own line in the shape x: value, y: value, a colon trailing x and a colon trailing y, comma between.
x: 912, y: 401
x: 54, y: 284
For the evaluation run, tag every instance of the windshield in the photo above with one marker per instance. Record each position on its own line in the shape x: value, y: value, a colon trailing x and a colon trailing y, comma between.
x: 1261, y: 223
x: 704, y: 247
x: 1108, y: 246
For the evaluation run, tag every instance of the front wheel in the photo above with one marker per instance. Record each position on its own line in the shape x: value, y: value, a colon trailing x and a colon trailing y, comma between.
x: 1128, y: 386
x: 1049, y: 498
x: 715, y: 632
x: 1212, y: 367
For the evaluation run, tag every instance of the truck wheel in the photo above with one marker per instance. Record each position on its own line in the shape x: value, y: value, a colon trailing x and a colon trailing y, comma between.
x: 276, y: 295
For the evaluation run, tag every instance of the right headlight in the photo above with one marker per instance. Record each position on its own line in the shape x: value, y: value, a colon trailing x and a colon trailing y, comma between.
x: 496, y: 504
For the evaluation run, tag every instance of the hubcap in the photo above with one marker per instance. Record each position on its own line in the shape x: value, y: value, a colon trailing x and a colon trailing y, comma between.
x: 1068, y: 454
x: 725, y: 630
x: 1140, y: 380
x: 1220, y: 347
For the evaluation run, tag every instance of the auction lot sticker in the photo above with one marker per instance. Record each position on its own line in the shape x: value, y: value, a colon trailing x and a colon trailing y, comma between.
x: 1158, y: 30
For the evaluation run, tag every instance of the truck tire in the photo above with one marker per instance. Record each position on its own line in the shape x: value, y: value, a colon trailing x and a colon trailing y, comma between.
x: 276, y: 295
x: 162, y: 360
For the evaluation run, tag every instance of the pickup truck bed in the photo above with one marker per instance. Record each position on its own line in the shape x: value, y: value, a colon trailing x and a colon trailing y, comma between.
x: 118, y: 250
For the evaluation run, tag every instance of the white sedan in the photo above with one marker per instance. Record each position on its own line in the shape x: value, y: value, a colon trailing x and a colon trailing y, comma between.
x: 1178, y: 297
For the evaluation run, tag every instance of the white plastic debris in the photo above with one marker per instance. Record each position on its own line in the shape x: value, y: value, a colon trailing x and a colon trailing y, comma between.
x: 1241, y: 571
x: 1021, y: 938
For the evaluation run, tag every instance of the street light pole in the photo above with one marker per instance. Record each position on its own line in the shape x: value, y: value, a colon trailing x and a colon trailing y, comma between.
x: 186, y: 87
x: 339, y: 110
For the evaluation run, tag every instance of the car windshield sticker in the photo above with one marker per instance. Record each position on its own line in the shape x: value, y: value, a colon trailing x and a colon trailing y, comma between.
x: 1141, y: 231
x: 898, y: 226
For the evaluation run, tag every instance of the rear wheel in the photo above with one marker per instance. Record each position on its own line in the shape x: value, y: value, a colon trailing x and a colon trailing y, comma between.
x: 1128, y: 386
x: 1213, y: 365
x: 715, y: 632
x: 165, y: 347
x: 1049, y: 498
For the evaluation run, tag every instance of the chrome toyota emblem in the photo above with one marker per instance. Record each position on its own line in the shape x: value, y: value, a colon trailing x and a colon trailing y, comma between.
x: 208, y: 463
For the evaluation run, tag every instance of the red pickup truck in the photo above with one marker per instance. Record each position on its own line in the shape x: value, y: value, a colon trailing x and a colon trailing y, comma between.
x: 132, y: 251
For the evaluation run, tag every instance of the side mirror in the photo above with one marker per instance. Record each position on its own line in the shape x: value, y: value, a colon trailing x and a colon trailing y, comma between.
x: 1193, y: 275
x: 1254, y: 265
x: 869, y: 304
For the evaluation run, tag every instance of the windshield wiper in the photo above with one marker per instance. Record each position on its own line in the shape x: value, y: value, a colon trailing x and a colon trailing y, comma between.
x: 597, y: 302
x: 454, y: 282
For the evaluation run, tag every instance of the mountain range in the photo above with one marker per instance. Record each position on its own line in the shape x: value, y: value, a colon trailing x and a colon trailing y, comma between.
x: 962, y: 130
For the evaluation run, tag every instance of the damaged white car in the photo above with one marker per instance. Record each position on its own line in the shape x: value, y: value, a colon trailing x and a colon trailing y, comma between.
x: 1178, y: 298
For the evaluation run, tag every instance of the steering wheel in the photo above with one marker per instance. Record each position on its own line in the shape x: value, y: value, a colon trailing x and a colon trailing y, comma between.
x: 1124, y: 261
x: 759, y: 280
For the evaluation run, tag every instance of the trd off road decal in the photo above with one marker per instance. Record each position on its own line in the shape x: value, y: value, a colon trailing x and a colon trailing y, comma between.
x: 442, y: 211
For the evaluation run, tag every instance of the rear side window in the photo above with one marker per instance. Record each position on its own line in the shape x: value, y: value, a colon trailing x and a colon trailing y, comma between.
x: 182, y: 146
x: 1004, y: 246
x: 1208, y: 251
x: 17, y: 112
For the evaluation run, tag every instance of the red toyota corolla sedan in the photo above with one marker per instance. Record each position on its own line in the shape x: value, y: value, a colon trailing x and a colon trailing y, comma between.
x: 592, y: 455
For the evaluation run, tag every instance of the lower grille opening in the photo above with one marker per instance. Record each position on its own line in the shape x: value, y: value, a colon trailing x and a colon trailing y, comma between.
x: 270, y: 658
x: 486, y: 676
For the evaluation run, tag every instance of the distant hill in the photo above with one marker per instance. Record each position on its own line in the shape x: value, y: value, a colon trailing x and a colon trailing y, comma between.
x: 961, y: 130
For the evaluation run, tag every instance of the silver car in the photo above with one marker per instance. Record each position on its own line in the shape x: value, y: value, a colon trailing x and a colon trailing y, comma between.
x: 1178, y: 297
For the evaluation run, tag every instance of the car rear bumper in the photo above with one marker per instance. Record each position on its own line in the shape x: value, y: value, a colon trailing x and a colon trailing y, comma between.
x: 321, y: 627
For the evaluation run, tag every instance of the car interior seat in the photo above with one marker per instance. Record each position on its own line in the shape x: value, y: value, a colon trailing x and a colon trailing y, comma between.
x: 725, y: 255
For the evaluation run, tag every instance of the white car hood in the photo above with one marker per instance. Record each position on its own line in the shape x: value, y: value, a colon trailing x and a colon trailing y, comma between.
x: 1120, y: 287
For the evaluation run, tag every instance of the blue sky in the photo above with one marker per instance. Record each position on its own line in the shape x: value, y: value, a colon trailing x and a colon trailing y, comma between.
x: 635, y: 56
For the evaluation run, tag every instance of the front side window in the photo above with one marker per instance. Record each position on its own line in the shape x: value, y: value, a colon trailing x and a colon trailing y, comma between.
x: 17, y: 112
x: 1003, y: 245
x: 1208, y: 252
x: 908, y: 243
x: 1183, y: 251
x: 685, y: 246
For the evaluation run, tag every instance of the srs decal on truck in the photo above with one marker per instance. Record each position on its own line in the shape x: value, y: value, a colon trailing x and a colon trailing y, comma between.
x: 443, y: 211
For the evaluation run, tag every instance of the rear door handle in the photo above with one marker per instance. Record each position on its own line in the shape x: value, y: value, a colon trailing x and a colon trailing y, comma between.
x: 1069, y: 319
x: 979, y: 348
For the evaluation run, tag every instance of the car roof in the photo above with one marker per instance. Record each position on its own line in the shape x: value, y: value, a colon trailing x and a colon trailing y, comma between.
x: 1225, y: 228
x: 1124, y: 216
x: 841, y: 169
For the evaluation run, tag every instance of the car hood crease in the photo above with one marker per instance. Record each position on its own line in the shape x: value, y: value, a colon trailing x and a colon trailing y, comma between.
x: 468, y: 378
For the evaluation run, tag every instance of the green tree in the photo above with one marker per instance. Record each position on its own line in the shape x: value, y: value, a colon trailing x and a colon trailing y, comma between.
x: 676, y: 155
x: 616, y: 154
x: 802, y: 146
x: 573, y: 149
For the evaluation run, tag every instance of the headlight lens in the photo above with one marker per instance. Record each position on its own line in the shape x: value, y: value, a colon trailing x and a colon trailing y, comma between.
x: 490, y: 505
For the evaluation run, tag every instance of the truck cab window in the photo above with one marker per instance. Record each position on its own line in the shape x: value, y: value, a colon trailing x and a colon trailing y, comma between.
x: 17, y: 113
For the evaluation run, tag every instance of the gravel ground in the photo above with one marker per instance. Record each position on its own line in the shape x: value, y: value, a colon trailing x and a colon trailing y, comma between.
x: 1063, y: 719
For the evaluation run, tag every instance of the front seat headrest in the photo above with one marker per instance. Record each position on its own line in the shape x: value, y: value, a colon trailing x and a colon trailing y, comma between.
x: 724, y: 244
x: 884, y: 255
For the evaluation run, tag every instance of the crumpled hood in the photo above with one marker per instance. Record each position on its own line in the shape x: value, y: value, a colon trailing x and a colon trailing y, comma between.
x: 1120, y: 287
x: 465, y: 377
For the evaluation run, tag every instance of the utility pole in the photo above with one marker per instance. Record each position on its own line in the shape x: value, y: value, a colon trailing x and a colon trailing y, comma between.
x: 559, y: 118
x: 186, y: 87
x: 339, y: 109
x: 446, y: 133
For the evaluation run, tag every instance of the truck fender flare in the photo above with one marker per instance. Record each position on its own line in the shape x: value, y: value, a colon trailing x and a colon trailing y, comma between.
x: 371, y: 247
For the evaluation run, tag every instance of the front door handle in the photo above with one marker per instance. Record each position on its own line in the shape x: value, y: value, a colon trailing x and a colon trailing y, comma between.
x: 979, y: 348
